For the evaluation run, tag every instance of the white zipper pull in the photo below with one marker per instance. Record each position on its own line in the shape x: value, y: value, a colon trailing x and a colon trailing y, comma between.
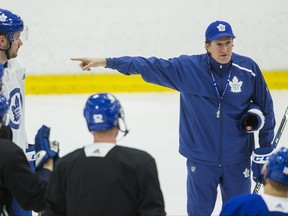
x: 218, y: 111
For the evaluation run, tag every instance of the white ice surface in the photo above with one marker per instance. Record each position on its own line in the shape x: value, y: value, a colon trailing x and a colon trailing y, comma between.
x: 153, y: 120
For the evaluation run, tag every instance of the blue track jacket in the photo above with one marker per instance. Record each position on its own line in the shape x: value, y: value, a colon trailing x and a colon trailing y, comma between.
x: 205, y: 138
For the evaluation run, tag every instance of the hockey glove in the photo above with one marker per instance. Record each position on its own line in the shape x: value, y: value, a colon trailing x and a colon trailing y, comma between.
x: 30, y: 155
x: 260, y: 157
x: 44, y: 148
x: 253, y: 120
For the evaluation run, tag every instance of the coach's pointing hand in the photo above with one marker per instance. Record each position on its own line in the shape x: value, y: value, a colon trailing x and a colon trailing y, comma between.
x: 87, y: 63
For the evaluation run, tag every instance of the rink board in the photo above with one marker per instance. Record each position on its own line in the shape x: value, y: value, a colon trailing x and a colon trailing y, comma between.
x: 116, y: 82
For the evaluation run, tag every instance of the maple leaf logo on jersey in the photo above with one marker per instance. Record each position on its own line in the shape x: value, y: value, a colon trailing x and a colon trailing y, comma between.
x: 221, y: 28
x: 235, y: 85
x: 16, y: 105
x: 16, y: 109
x: 246, y: 173
x: 3, y: 18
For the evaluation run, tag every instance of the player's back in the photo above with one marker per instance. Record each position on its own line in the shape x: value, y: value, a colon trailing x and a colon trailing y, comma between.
x: 121, y: 183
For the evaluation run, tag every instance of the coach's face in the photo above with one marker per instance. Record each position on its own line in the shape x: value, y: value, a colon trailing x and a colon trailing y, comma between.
x: 220, y: 49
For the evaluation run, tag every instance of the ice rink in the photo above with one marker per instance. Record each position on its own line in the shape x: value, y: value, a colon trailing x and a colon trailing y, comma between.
x: 153, y: 121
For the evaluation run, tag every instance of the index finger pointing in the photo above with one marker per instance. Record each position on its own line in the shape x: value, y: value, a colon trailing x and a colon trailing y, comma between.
x: 77, y: 59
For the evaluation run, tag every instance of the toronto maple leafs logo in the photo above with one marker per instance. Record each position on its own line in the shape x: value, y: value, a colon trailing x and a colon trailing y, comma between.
x: 246, y: 173
x: 3, y: 18
x: 221, y: 28
x: 235, y: 85
x: 16, y: 112
x: 16, y: 105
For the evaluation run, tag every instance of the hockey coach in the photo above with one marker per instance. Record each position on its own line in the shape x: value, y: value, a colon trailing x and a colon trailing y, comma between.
x: 216, y: 90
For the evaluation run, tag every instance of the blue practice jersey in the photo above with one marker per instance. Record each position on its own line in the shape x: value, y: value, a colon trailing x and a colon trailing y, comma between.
x: 204, y: 136
x: 255, y: 205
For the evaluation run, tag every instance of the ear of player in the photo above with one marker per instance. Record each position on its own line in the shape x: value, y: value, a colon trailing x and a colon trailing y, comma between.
x: 253, y: 120
x: 44, y: 148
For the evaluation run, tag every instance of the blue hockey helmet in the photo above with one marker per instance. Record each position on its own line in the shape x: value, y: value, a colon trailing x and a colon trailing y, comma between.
x: 102, y: 112
x: 3, y: 108
x: 10, y: 23
x: 277, y: 167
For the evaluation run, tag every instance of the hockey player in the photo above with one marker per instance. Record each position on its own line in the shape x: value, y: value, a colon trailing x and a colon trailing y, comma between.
x: 11, y: 27
x: 11, y: 31
x: 16, y: 177
x: 103, y: 178
x: 274, y: 201
x: 216, y: 89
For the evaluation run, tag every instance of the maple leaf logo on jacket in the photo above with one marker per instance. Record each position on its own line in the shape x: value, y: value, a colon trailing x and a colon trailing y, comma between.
x: 235, y: 85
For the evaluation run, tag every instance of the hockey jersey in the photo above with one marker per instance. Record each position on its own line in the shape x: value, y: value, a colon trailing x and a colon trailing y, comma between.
x: 16, y: 178
x: 105, y: 181
x: 13, y: 89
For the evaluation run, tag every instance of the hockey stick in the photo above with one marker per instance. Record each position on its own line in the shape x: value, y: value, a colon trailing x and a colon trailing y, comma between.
x: 275, y: 143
